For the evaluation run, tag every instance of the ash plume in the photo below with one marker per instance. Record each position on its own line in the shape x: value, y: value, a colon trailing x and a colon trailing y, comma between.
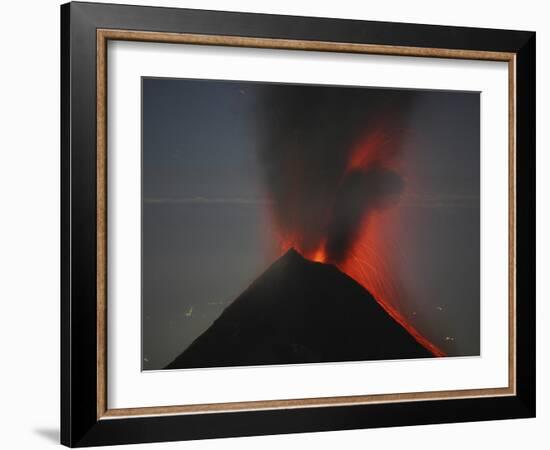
x: 329, y: 160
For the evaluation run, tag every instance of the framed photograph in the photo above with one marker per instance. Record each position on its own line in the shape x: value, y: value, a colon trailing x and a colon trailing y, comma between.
x: 276, y: 224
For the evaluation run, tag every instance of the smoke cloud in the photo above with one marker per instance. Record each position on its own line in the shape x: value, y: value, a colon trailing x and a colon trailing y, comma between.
x: 330, y: 161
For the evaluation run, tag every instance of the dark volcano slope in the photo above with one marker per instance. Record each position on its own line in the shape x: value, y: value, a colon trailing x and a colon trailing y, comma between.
x: 300, y: 311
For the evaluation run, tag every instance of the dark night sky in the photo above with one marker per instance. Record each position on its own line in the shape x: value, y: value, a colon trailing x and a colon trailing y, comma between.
x: 212, y: 152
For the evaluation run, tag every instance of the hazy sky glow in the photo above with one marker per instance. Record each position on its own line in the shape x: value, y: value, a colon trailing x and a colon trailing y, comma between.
x: 219, y: 162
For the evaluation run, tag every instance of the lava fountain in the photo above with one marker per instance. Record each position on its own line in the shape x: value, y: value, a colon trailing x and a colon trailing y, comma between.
x: 348, y: 228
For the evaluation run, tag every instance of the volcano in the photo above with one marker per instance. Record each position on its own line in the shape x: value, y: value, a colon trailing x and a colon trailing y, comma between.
x: 300, y: 311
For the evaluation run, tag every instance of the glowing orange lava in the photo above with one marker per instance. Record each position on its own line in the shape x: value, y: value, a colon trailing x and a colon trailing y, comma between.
x: 368, y: 267
x: 365, y: 262
x: 370, y: 270
x: 368, y: 151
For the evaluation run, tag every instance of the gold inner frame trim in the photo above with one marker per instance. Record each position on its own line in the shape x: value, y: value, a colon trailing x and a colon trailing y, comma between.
x: 104, y: 35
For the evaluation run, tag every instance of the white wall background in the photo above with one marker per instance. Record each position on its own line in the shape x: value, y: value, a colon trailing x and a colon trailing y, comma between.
x: 29, y: 224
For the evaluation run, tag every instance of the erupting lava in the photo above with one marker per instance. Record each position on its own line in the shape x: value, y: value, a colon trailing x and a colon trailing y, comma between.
x: 363, y: 256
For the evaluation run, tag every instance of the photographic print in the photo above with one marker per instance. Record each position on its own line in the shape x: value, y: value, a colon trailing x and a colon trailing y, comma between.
x: 280, y: 224
x: 298, y: 224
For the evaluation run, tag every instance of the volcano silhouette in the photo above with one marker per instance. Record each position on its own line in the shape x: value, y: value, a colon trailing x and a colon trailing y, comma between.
x: 300, y: 311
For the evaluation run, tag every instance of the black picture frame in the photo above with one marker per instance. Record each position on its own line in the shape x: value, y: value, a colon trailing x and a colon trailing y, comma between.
x: 80, y: 425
